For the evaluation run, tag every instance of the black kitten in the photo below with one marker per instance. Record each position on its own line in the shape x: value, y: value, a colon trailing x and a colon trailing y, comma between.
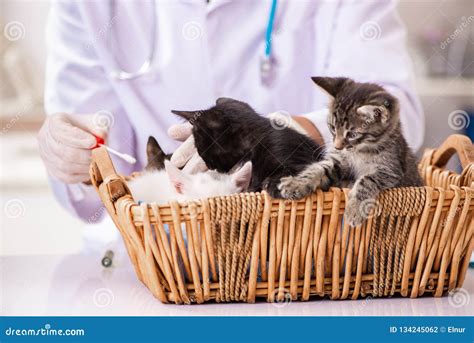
x: 231, y: 132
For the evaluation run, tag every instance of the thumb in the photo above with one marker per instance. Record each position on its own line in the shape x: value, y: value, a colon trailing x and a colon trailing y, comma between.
x: 180, y: 132
x: 184, y: 153
x: 195, y: 165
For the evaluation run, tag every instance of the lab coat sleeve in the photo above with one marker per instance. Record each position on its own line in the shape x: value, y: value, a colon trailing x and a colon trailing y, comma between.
x: 366, y: 41
x: 76, y: 83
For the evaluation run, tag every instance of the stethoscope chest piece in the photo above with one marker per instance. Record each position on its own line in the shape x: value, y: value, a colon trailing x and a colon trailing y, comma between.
x: 267, y: 70
x: 107, y: 260
x: 267, y: 62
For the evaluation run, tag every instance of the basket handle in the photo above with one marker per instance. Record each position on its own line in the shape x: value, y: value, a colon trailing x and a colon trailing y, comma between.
x: 101, y: 166
x: 458, y: 144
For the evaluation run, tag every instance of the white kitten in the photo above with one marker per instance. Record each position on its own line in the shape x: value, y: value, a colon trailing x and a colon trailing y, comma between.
x: 162, y: 186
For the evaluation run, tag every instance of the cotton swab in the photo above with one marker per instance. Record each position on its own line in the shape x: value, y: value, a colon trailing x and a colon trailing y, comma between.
x: 127, y: 158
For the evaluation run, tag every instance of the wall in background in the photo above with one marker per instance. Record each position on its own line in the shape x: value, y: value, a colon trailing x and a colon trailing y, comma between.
x: 447, y: 25
x: 423, y: 18
x: 34, y: 14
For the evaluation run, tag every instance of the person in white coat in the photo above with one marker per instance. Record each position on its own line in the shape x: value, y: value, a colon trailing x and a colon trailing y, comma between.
x: 117, y: 68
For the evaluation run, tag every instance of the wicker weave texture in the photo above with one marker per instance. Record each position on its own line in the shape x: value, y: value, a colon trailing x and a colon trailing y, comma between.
x: 246, y: 246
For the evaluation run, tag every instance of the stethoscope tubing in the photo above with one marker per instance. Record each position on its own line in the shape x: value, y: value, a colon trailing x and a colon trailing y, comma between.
x: 269, y: 32
x: 120, y: 74
x: 146, y: 68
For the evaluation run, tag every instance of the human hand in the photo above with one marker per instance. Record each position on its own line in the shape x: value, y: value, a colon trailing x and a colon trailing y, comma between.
x: 186, y: 156
x: 65, y: 142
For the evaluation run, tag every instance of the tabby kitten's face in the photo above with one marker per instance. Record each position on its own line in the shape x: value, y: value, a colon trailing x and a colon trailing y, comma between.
x: 360, y: 114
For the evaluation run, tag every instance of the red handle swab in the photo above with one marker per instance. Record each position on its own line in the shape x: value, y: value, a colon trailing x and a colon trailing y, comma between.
x: 127, y: 158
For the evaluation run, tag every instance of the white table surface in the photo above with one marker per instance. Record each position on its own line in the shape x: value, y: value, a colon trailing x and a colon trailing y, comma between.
x: 53, y: 285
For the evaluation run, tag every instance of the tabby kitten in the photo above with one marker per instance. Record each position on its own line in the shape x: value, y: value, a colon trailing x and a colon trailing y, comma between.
x: 369, y: 148
x: 231, y: 132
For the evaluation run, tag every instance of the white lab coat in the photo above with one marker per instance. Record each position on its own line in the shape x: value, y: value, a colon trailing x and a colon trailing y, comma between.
x: 204, y: 51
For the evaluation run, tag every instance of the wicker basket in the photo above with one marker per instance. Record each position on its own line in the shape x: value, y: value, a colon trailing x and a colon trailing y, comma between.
x: 417, y: 242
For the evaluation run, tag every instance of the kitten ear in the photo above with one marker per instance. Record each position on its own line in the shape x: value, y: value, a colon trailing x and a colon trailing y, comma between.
x: 177, y: 177
x: 188, y: 115
x: 155, y: 155
x: 373, y: 112
x: 241, y: 178
x: 330, y: 85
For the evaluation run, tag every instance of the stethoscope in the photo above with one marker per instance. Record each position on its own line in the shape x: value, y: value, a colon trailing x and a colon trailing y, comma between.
x: 267, y: 63
x: 121, y: 75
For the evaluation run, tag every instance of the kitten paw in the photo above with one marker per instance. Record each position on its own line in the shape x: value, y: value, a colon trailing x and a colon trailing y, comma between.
x: 294, y: 187
x: 358, y: 211
x: 272, y: 189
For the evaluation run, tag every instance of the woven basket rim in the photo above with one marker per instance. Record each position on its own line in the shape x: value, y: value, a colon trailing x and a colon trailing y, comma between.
x: 417, y: 240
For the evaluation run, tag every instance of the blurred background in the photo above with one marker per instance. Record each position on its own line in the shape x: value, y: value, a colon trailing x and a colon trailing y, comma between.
x: 441, y: 42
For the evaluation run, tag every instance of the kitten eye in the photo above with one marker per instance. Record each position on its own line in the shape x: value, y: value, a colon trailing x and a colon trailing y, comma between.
x: 351, y: 135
